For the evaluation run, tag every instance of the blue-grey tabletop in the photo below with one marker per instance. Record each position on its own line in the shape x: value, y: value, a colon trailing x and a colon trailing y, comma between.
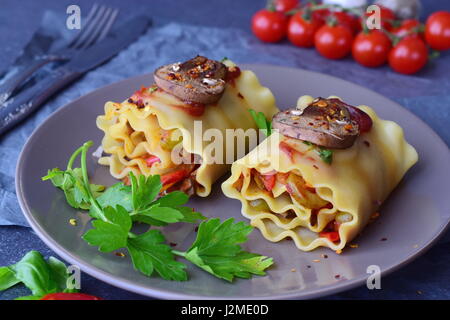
x: 216, y: 28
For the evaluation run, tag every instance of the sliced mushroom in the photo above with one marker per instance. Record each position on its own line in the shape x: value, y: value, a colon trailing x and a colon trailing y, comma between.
x: 198, y: 80
x: 325, y: 122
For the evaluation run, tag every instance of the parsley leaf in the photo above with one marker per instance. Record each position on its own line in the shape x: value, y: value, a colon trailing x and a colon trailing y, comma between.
x: 144, y: 190
x: 149, y: 254
x: 326, y: 155
x: 111, y: 234
x: 7, y: 278
x: 261, y: 122
x: 117, y: 194
x: 217, y: 251
x: 71, y: 182
x: 40, y: 276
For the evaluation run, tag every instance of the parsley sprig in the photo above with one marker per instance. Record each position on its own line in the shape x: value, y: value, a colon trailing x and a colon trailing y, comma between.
x: 41, y: 276
x: 114, y: 211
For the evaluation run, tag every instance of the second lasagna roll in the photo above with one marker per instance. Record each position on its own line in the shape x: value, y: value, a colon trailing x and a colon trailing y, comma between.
x: 143, y: 133
x: 320, y: 196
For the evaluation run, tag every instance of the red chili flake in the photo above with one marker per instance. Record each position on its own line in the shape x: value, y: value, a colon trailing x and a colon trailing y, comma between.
x: 315, y: 167
x: 348, y: 127
x: 337, y: 276
x: 240, y: 95
x: 172, y: 244
x: 232, y: 74
x: 367, y: 143
x: 310, y: 123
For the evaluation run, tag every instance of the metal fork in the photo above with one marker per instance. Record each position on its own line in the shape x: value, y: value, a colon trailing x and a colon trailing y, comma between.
x: 99, y: 22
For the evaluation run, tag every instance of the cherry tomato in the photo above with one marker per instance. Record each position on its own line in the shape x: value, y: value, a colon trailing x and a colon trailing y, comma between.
x: 406, y: 27
x: 69, y: 296
x: 286, y: 5
x: 409, y: 55
x: 301, y: 31
x: 320, y: 14
x: 333, y: 42
x: 269, y: 26
x: 437, y: 30
x: 345, y: 19
x: 371, y: 49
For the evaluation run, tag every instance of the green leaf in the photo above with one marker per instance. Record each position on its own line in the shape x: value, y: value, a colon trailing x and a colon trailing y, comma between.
x: 149, y: 254
x: 29, y: 298
x: 326, y: 155
x: 217, y: 251
x: 71, y: 182
x: 117, y: 194
x: 241, y: 265
x: 34, y: 272
x: 111, y: 234
x: 58, y: 271
x: 164, y: 214
x: 144, y: 190
x: 190, y: 215
x: 261, y: 122
x: 173, y: 199
x: 7, y: 278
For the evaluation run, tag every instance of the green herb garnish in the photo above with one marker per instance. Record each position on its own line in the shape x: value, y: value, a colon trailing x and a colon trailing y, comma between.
x: 262, y: 122
x: 37, y: 274
x: 325, y: 154
x: 114, y: 211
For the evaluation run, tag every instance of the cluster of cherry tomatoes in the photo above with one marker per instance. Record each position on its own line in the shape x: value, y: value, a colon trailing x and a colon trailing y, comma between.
x: 337, y: 32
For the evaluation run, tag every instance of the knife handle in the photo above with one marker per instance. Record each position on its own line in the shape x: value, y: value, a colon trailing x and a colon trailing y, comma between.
x: 18, y: 108
x: 19, y: 77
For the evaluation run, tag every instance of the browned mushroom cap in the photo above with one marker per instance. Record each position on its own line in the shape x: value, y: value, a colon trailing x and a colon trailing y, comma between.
x: 325, y: 122
x: 199, y: 80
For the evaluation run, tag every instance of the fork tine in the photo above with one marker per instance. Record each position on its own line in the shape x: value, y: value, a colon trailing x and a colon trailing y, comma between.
x: 98, y: 28
x: 108, y: 26
x: 88, y: 29
x: 83, y: 28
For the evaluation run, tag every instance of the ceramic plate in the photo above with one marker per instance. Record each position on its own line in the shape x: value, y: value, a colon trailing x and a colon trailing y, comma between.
x: 412, y: 219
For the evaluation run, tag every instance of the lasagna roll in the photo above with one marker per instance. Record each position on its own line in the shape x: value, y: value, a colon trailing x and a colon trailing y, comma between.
x: 320, y: 177
x: 163, y: 129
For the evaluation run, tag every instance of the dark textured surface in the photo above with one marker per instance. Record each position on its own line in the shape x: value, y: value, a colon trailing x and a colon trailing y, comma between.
x: 427, y: 94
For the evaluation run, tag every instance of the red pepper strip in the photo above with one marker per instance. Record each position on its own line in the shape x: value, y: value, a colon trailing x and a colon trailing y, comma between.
x: 174, y: 177
x: 269, y: 181
x: 69, y: 296
x: 152, y: 160
x: 332, y: 236
x: 287, y: 149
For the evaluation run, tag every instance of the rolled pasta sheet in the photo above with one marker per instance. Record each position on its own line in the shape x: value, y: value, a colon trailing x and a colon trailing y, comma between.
x: 141, y: 133
x: 308, y: 196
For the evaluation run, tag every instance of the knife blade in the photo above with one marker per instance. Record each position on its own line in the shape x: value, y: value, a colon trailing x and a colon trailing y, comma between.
x: 18, y: 108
